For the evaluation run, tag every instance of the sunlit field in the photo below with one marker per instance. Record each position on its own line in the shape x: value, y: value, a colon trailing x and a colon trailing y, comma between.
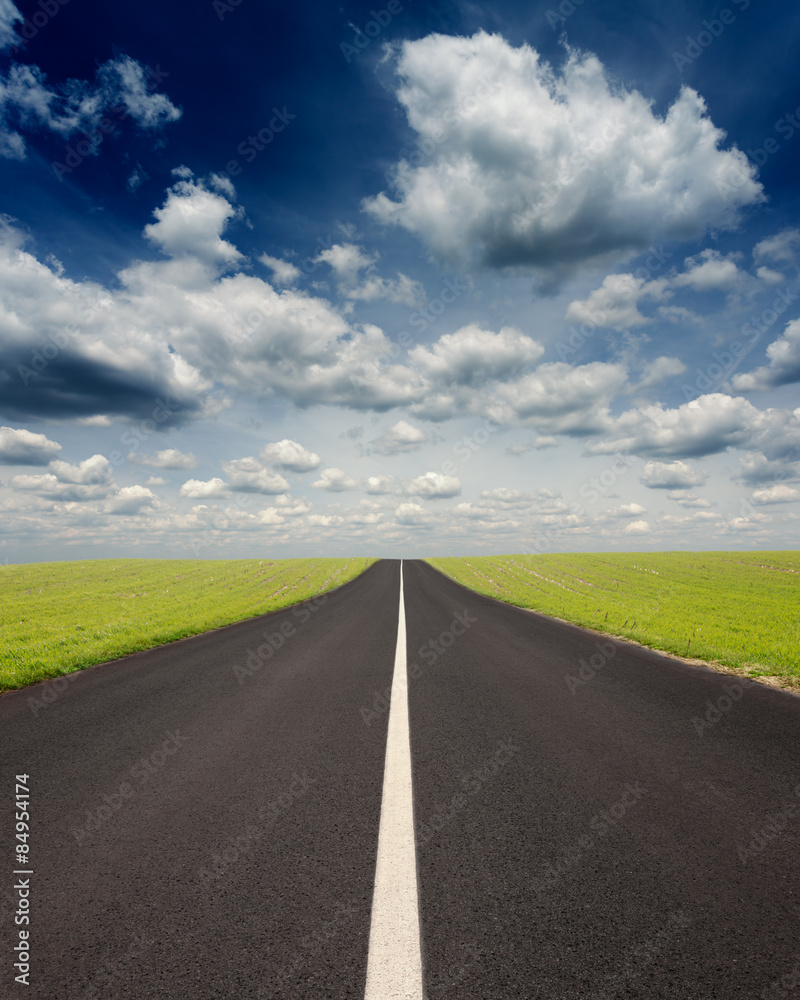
x: 737, y: 609
x: 58, y: 617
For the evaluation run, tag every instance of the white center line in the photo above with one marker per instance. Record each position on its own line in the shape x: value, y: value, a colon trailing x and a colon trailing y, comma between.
x: 394, y: 966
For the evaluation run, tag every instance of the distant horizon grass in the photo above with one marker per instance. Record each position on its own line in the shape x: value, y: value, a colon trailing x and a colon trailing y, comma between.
x: 739, y: 610
x: 59, y: 617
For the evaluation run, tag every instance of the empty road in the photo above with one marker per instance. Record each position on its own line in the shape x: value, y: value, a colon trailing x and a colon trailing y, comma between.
x: 591, y: 819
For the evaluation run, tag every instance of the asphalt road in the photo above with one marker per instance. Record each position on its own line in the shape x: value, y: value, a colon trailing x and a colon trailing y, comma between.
x: 205, y: 828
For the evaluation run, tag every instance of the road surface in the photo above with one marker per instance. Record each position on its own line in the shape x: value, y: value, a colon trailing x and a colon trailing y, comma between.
x: 592, y: 819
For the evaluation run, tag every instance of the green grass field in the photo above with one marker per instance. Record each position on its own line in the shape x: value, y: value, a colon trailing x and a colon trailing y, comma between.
x: 740, y: 610
x: 59, y: 617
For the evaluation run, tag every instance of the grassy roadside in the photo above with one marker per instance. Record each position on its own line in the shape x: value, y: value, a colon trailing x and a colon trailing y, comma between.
x: 736, y: 610
x: 59, y: 617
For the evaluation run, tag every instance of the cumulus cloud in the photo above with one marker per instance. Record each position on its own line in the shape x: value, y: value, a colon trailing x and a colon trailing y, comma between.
x: 671, y: 476
x: 196, y: 489
x: 121, y: 89
x: 709, y: 271
x: 130, y: 501
x: 348, y: 261
x: 783, y: 367
x: 283, y: 271
x: 472, y: 355
x: 413, y: 515
x: 779, y: 493
x: 615, y: 303
x: 402, y: 437
x: 637, y: 528
x: 545, y: 170
x: 781, y: 247
x: 382, y: 485
x: 9, y: 16
x: 560, y: 398
x: 628, y: 510
x: 190, y: 221
x: 167, y: 458
x: 757, y: 468
x: 703, y: 426
x: 290, y: 455
x: 22, y: 447
x: 334, y: 481
x: 435, y: 485
x: 248, y: 475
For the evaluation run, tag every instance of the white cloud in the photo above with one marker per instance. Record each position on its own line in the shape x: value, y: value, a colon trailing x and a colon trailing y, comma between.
x: 92, y: 471
x: 537, y: 444
x: 560, y: 398
x: 248, y: 475
x: 709, y: 271
x: 657, y: 370
x: 382, y: 486
x: 546, y: 170
x: 290, y: 455
x: 685, y: 499
x: 671, y: 476
x: 130, y: 500
x: 413, y: 515
x: 334, y: 481
x: 149, y: 110
x: 615, y: 303
x: 76, y: 106
x: 22, y: 447
x: 402, y: 437
x: 757, y: 468
x: 769, y: 276
x: 199, y: 490
x: 703, y: 426
x: 283, y: 271
x: 783, y: 367
x: 779, y: 493
x: 190, y: 221
x: 628, y: 510
x: 781, y: 247
x: 637, y: 528
x: 472, y: 356
x: 167, y: 458
x: 348, y: 261
x: 435, y: 485
x: 9, y: 15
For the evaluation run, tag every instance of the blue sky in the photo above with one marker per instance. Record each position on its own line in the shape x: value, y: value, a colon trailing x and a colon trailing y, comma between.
x: 398, y: 279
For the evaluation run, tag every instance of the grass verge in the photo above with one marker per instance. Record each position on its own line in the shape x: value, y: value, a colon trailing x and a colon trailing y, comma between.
x: 59, y: 617
x: 735, y: 610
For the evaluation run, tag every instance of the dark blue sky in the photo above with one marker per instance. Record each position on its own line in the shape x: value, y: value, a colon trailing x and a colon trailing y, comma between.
x: 303, y: 133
